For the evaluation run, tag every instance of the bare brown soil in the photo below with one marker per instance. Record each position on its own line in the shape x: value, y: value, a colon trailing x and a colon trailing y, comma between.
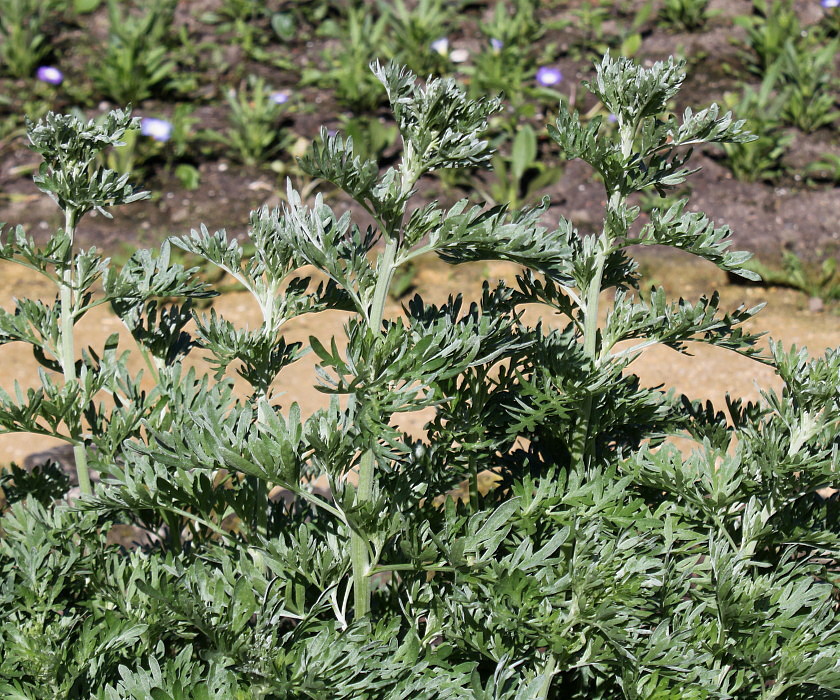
x: 766, y: 218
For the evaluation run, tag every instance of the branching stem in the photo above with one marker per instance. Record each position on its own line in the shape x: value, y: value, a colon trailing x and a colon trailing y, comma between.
x: 68, y: 354
x: 580, y: 447
x: 359, y: 550
x: 580, y: 437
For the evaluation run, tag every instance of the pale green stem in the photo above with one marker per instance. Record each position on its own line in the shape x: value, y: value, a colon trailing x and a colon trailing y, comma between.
x: 473, y: 485
x: 359, y: 545
x: 259, y: 485
x: 580, y: 447
x: 267, y: 303
x: 147, y: 359
x: 68, y: 354
x: 580, y: 437
x: 385, y: 273
x: 548, y: 673
x: 192, y: 516
x: 359, y: 553
x: 722, y: 528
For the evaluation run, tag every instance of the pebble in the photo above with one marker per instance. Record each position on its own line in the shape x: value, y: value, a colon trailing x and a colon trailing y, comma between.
x: 581, y: 217
x: 179, y: 215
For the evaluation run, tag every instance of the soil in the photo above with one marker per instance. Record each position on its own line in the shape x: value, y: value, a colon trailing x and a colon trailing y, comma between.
x: 766, y: 218
x: 710, y: 373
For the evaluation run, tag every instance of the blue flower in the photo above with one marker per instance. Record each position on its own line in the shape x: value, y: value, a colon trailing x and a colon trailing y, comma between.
x: 830, y: 4
x: 496, y: 44
x: 158, y: 129
x: 548, y: 76
x: 279, y: 97
x: 49, y: 74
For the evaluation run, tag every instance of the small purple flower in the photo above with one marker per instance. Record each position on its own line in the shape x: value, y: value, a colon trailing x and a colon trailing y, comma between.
x: 548, y: 76
x: 496, y: 44
x: 279, y: 98
x: 49, y: 74
x: 611, y: 118
x: 158, y: 129
x: 440, y: 46
x: 830, y: 4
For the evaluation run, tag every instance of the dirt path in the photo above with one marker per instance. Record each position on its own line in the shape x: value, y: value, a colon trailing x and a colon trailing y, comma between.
x: 710, y: 374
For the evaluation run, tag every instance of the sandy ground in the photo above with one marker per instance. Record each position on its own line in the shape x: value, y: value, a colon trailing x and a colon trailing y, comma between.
x: 709, y: 374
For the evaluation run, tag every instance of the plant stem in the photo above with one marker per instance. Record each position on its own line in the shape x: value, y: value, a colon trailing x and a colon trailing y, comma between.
x: 548, y: 672
x: 580, y: 448
x: 359, y: 554
x: 258, y: 485
x: 474, y: 494
x: 384, y: 275
x: 580, y: 437
x: 68, y: 353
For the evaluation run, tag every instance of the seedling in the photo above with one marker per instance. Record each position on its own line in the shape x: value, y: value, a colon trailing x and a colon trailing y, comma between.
x: 686, y: 15
x: 136, y: 63
x: 25, y: 31
x: 361, y: 36
x: 761, y: 158
x: 818, y: 281
x: 770, y: 26
x: 517, y: 177
x: 255, y: 134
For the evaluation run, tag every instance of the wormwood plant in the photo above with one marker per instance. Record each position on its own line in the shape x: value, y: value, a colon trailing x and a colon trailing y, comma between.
x: 604, y: 562
x: 71, y: 408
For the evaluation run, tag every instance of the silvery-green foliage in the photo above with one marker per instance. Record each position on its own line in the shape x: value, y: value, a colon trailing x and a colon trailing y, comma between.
x: 68, y: 403
x: 294, y: 555
x: 69, y: 149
